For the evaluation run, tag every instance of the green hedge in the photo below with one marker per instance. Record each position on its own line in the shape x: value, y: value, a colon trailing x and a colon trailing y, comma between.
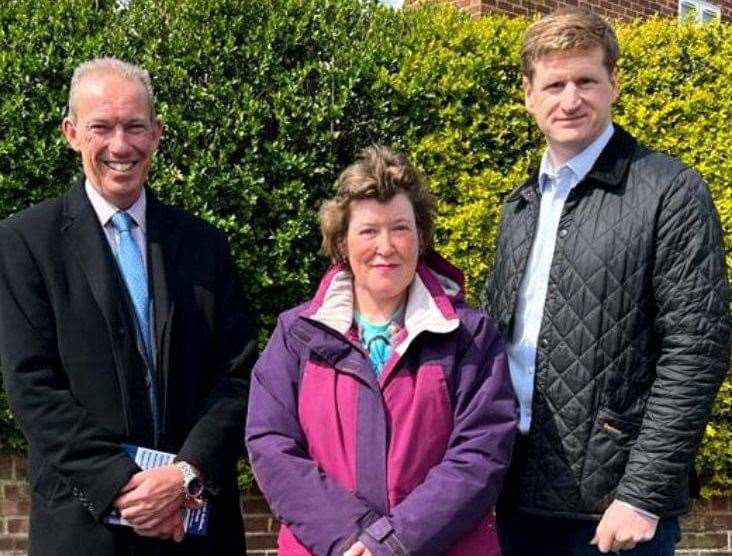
x: 263, y: 107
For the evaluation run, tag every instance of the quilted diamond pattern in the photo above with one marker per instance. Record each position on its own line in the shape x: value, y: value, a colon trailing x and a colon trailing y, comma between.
x: 634, y: 341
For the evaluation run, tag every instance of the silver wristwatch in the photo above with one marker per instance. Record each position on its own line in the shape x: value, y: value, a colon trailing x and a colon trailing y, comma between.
x: 192, y: 482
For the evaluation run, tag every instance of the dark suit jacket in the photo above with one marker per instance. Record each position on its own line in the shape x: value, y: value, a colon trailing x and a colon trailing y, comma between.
x: 75, y: 378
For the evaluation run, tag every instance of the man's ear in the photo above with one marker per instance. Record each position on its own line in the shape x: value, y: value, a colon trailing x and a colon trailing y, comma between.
x: 615, y: 82
x: 528, y: 89
x: 71, y: 133
x: 157, y: 129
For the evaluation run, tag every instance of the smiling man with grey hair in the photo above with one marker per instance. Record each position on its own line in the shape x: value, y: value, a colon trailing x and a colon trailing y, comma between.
x: 122, y: 323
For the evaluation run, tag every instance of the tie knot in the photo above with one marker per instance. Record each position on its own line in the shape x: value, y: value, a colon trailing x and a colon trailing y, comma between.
x: 123, y: 221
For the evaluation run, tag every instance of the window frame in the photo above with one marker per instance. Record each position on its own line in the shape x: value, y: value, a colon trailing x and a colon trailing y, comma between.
x: 701, y: 7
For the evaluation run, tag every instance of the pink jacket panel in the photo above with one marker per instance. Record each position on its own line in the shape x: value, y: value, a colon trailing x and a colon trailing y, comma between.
x: 288, y: 545
x: 420, y: 420
x: 327, y: 410
x: 327, y: 407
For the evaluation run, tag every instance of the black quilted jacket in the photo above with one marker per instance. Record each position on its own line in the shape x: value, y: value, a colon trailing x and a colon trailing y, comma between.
x: 634, y: 341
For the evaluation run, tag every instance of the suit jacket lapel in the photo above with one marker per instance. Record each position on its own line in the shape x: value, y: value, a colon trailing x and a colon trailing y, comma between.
x: 83, y: 240
x: 163, y: 240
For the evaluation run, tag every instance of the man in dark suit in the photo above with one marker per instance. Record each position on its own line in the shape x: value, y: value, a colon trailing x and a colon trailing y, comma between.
x: 121, y: 321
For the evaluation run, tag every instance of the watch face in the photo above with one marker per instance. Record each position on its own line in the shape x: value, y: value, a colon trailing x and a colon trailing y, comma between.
x: 194, y: 488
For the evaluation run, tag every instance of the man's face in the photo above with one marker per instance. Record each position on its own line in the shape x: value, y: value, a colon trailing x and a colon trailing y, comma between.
x: 570, y: 96
x: 115, y: 134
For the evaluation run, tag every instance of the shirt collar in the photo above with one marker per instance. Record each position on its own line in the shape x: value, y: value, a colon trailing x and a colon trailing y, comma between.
x: 580, y: 165
x: 106, y: 210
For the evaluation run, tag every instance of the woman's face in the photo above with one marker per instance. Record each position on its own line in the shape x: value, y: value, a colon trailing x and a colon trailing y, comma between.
x: 382, y: 247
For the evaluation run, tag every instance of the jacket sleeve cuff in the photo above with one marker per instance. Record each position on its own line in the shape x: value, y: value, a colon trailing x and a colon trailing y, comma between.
x: 380, y: 538
x: 98, y: 499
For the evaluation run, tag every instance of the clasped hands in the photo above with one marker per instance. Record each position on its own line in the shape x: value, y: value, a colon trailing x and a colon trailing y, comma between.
x: 153, y: 502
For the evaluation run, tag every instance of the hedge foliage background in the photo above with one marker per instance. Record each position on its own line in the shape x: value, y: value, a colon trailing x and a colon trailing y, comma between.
x: 264, y: 103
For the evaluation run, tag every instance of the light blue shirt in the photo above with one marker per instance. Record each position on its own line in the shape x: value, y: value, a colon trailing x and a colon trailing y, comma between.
x: 554, y: 186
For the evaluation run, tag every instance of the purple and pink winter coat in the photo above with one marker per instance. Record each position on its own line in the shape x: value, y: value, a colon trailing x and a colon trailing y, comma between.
x: 409, y: 463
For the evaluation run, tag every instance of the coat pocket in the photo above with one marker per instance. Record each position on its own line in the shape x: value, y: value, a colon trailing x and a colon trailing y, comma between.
x: 607, y: 452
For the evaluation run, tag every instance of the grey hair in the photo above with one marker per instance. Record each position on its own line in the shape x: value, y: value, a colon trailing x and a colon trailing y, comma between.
x: 109, y: 66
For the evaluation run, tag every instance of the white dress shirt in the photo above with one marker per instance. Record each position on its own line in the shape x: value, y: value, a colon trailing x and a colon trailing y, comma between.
x: 554, y: 186
x: 106, y: 210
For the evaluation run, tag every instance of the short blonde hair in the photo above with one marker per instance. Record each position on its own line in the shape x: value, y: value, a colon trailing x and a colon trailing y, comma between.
x: 109, y: 66
x: 568, y: 29
x: 379, y: 173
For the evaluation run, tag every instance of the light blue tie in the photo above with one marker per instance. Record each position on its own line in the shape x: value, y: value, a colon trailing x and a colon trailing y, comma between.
x: 129, y: 260
x: 133, y: 272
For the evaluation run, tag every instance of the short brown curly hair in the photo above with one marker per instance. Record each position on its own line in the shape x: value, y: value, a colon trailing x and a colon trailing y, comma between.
x: 378, y: 173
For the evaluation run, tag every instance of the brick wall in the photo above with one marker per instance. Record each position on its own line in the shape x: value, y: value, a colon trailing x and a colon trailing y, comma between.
x: 261, y: 527
x: 612, y: 9
x: 707, y: 530
x: 14, y: 505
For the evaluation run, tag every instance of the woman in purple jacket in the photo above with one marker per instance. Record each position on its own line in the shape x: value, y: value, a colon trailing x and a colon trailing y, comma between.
x: 381, y: 415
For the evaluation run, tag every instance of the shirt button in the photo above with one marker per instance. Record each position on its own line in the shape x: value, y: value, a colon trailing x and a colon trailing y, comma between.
x: 563, y: 232
x: 544, y: 342
x: 148, y: 381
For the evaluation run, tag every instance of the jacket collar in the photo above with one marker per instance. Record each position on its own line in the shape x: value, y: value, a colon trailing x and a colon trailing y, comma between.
x: 160, y: 220
x: 609, y: 170
x: 436, y: 287
x: 78, y: 205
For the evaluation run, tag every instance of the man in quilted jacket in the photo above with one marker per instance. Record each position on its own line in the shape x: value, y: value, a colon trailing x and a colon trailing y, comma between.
x: 609, y: 286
